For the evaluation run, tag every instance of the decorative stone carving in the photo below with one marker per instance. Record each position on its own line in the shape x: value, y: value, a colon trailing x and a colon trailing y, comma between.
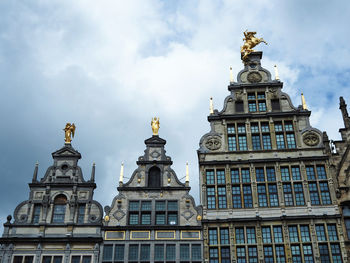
x: 213, y: 143
x: 311, y: 139
x: 187, y: 214
x: 119, y: 214
x: 254, y: 77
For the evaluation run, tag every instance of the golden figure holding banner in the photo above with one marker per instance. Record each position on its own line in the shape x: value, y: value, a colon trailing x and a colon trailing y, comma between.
x: 69, y: 132
x: 155, y: 125
x: 250, y: 42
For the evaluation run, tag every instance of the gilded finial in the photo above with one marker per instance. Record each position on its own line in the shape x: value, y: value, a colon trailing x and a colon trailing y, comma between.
x: 187, y: 173
x: 155, y: 125
x: 250, y: 42
x: 231, y: 76
x: 121, y: 178
x: 69, y: 131
x: 277, y: 77
x: 211, y: 106
x: 303, y: 102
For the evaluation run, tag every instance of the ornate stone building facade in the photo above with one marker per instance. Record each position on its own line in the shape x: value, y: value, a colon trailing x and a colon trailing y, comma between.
x: 60, y: 221
x: 267, y: 187
x: 153, y: 218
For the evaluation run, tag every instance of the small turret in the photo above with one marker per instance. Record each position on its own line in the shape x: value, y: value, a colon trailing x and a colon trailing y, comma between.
x: 344, y: 111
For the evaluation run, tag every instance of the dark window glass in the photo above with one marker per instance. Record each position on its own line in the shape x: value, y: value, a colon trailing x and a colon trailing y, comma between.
x: 262, y: 195
x: 305, y: 233
x: 299, y: 194
x: 251, y: 96
x: 293, y: 234
x: 308, y: 254
x: 241, y: 258
x: 280, y: 141
x: 222, y: 197
x: 325, y: 196
x: 213, y: 236
x: 133, y: 219
x: 210, y: 177
x: 268, y: 254
x: 75, y: 259
x: 36, y: 213
x: 245, y: 175
x: 296, y: 173
x: 154, y: 177
x: 196, y: 252
x: 145, y: 219
x: 170, y: 252
x: 310, y: 172
x: 160, y: 205
x: 172, y: 205
x: 275, y: 104
x: 236, y: 197
x: 320, y: 232
x: 247, y: 195
x: 232, y: 145
x: 213, y: 255
x: 265, y: 127
x: 107, y: 252
x: 332, y: 232
x: 220, y: 175
x: 235, y: 176
x: 119, y: 252
x: 266, y: 234
x: 278, y: 127
x: 253, y: 254
x: 145, y: 252
x: 224, y: 236
x: 211, y: 197
x: 81, y: 213
x: 270, y: 173
x: 288, y: 126
x: 86, y: 259
x: 277, y: 234
x: 133, y: 252
x: 273, y: 195
x: 296, y: 255
x: 288, y: 195
x: 59, y: 209
x: 324, y: 253
x: 267, y: 141
x: 251, y: 239
x: 239, y: 106
x: 256, y: 142
x: 134, y: 206
x: 290, y: 140
x: 27, y: 259
x: 158, y: 252
x: 262, y: 106
x: 242, y: 142
x: 252, y: 106
x: 225, y: 255
x: 315, y: 200
x: 285, y: 174
x: 160, y: 219
x: 280, y: 254
x: 321, y: 172
x: 18, y: 259
x: 254, y: 128
x: 185, y: 252
x: 240, y: 235
x: 146, y: 206
x: 336, y: 254
x: 260, y: 176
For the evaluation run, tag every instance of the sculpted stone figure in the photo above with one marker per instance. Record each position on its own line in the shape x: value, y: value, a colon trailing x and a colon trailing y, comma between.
x: 69, y: 132
x: 155, y: 125
x: 250, y: 42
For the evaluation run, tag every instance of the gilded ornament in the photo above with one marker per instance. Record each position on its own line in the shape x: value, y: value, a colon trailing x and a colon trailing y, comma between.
x: 213, y: 143
x: 155, y: 125
x: 69, y: 131
x: 250, y: 42
x: 311, y: 139
x: 254, y: 77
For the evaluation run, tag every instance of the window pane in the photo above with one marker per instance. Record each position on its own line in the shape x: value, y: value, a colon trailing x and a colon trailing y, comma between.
x: 252, y: 106
x: 107, y: 252
x: 288, y: 195
x: 310, y: 172
x: 145, y: 252
x: 247, y: 195
x: 277, y: 234
x: 146, y: 206
x: 280, y: 254
x: 273, y: 195
x: 184, y: 252
x: 296, y: 173
x: 324, y: 253
x: 268, y: 254
x: 57, y: 259
x: 81, y: 213
x: 241, y: 128
x: 308, y: 254
x: 160, y: 219
x: 270, y: 173
x: 36, y: 214
x: 299, y: 194
x: 172, y: 205
x: 293, y: 234
x: 290, y: 140
x: 213, y: 236
x: 280, y: 141
x: 336, y: 254
x: 210, y: 177
x: 256, y: 142
x: 265, y: 127
x: 224, y: 236
x: 75, y: 259
x: 160, y: 205
x: 133, y: 252
x: 146, y: 219
x: 305, y: 233
x: 288, y: 126
x: 285, y: 174
x: 332, y: 233
x: 211, y: 197
x: 321, y: 172
x: 119, y: 252
x: 236, y: 197
x: 251, y: 235
x: 254, y: 128
x: 222, y: 197
x: 18, y: 259
x: 267, y: 141
x: 134, y: 206
x: 47, y: 259
x: 158, y: 252
x: 86, y: 259
x: 315, y: 200
x: 261, y: 95
x: 326, y: 198
x: 251, y: 96
x: 196, y: 252
x: 27, y: 259
x: 296, y: 255
x: 320, y: 232
x: 278, y: 127
x: 245, y: 175
x: 232, y: 146
x: 231, y: 129
x: 242, y: 142
x: 170, y: 252
x: 266, y: 234
x: 262, y: 195
x: 133, y: 219
x: 59, y: 212
x: 240, y: 235
x: 235, y: 176
x: 172, y: 219
x: 262, y: 106
x: 252, y: 255
x: 213, y: 255
x: 241, y: 258
x: 220, y: 174
x: 260, y: 176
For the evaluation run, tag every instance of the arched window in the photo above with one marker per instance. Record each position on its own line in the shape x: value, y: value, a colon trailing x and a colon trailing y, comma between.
x: 154, y: 177
x: 59, y: 209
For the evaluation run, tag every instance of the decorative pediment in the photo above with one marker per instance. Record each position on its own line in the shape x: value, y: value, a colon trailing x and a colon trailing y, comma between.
x: 66, y: 151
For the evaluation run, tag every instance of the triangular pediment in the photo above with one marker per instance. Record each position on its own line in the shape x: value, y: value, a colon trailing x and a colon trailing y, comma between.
x: 66, y: 151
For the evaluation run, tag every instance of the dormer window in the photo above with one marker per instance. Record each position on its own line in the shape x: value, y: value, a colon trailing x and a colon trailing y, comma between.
x: 154, y: 177
x: 256, y: 102
x: 59, y: 209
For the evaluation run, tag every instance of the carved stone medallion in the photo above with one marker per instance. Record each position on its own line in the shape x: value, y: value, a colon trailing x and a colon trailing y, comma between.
x: 254, y: 77
x: 311, y: 139
x: 213, y: 143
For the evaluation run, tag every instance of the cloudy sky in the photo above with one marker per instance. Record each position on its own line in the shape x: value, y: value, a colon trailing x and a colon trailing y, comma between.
x: 109, y: 66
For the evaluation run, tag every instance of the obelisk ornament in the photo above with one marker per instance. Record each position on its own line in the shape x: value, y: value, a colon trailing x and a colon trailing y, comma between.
x: 155, y: 125
x: 250, y: 42
x: 69, y: 132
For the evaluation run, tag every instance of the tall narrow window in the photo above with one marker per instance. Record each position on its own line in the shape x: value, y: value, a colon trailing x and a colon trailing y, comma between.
x: 159, y: 252
x: 299, y: 194
x: 239, y: 106
x: 262, y: 197
x: 315, y: 200
x: 273, y: 195
x: 288, y: 195
x: 59, y: 209
x: 242, y: 137
x: 211, y: 197
x: 81, y: 213
x: 247, y: 195
x: 154, y: 177
x: 325, y: 196
x: 36, y: 213
x: 240, y: 235
x: 275, y: 105
x: 231, y: 137
x: 266, y: 234
x: 133, y: 252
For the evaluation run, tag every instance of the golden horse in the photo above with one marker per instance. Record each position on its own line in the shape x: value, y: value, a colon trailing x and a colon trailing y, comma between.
x: 250, y: 42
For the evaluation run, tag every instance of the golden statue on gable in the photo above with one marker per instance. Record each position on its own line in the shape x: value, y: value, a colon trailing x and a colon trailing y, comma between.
x: 250, y: 42
x: 155, y: 125
x: 69, y: 132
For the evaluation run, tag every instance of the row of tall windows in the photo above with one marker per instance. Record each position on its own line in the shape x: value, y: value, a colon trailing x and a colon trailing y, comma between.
x: 53, y: 259
x: 260, y: 136
x: 257, y: 103
x: 273, y: 243
x: 144, y: 212
x: 142, y: 253
x: 267, y: 191
x: 59, y: 211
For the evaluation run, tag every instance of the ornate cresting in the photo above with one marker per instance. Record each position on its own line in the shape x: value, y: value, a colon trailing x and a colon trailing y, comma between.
x: 155, y: 125
x: 250, y: 42
x: 69, y: 131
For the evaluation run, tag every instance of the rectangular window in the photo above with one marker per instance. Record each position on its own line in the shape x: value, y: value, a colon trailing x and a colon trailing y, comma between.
x: 196, y: 252
x: 22, y: 259
x: 36, y: 213
x: 119, y: 252
x: 254, y: 127
x: 247, y: 195
x: 145, y: 252
x: 59, y: 212
x: 270, y: 174
x: 260, y: 176
x: 245, y: 175
x: 336, y: 254
x: 170, y: 252
x: 256, y: 142
x: 296, y: 255
x: 268, y: 254
x: 81, y: 213
x: 107, y: 252
x: 134, y: 206
x: 261, y: 95
x: 305, y: 233
x: 241, y: 129
x: 133, y: 252
x: 290, y: 140
x: 265, y: 127
x: 308, y: 254
x: 242, y: 142
x: 320, y: 232
x: 160, y: 205
x: 310, y: 172
x: 278, y: 127
x: 235, y: 176
x: 145, y: 219
x: 288, y: 126
x: 332, y: 232
x: 277, y: 234
x: 236, y: 197
x: 185, y: 252
x: 285, y: 174
x: 324, y: 253
x: 280, y: 254
x: 267, y: 141
x: 315, y: 200
x: 160, y: 219
x: 266, y: 234
x: 273, y: 195
x: 52, y: 259
x: 213, y: 255
x: 262, y: 106
x: 159, y: 252
x: 239, y: 106
x: 224, y: 236
x: 321, y: 172
x: 146, y: 206
x: 288, y: 195
x: 280, y: 141
x: 262, y: 197
x: 210, y: 177
x: 211, y: 197
x: 325, y: 196
x: 232, y: 145
x: 253, y: 254
x: 213, y: 236
x: 293, y: 234
x: 133, y: 219
x: 225, y: 255
x: 172, y: 219
x: 251, y: 239
x: 296, y: 173
x: 222, y: 197
x: 240, y: 235
x: 275, y: 105
x: 252, y: 106
x: 299, y: 194
x: 220, y: 175
x: 251, y: 96
x: 241, y: 258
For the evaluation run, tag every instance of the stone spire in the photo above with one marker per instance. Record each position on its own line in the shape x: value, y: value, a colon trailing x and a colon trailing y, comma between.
x: 35, y: 174
x: 92, y: 179
x: 344, y: 112
x: 121, y: 178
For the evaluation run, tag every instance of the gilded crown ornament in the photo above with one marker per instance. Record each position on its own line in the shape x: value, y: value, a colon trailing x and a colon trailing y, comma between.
x: 250, y: 42
x: 69, y: 131
x: 155, y: 125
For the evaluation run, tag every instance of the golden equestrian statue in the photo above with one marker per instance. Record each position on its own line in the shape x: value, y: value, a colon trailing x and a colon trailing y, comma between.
x: 69, y: 132
x: 250, y: 42
x: 155, y: 125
